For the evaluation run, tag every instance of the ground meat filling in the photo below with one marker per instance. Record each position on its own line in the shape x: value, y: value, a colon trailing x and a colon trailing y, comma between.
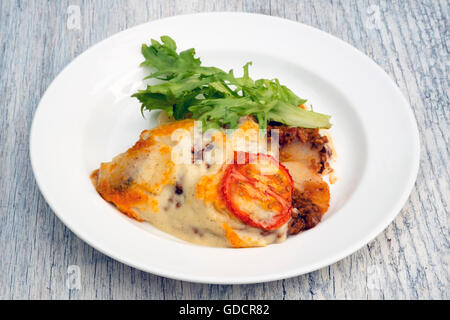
x: 305, y: 214
x: 304, y: 135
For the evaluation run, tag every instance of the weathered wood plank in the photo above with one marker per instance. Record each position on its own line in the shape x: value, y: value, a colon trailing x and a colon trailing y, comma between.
x: 408, y: 39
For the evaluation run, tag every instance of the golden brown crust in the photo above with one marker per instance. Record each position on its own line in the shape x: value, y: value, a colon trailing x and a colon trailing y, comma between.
x: 125, y: 181
x: 309, y: 206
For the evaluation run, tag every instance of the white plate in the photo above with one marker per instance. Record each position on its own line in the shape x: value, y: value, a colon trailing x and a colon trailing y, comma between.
x: 87, y: 116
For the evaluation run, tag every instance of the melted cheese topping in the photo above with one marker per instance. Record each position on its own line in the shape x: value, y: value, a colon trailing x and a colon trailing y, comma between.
x: 183, y: 199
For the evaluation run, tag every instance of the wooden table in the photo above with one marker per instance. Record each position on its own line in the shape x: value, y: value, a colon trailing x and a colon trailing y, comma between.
x: 408, y: 39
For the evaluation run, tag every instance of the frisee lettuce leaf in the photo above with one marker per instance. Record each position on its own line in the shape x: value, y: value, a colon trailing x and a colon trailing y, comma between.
x: 215, y: 97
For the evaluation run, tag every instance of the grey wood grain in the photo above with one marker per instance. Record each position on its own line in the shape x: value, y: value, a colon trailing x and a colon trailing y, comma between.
x: 409, y: 260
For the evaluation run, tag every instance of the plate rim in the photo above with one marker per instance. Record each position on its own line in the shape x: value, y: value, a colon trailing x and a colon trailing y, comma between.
x: 376, y: 230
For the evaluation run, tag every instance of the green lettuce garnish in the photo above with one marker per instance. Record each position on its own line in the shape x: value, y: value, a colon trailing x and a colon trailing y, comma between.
x: 215, y: 97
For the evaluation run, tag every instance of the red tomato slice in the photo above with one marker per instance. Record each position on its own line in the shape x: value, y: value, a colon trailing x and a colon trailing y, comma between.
x: 258, y: 190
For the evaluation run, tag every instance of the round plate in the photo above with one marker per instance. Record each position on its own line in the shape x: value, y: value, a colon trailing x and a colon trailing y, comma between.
x: 87, y: 116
